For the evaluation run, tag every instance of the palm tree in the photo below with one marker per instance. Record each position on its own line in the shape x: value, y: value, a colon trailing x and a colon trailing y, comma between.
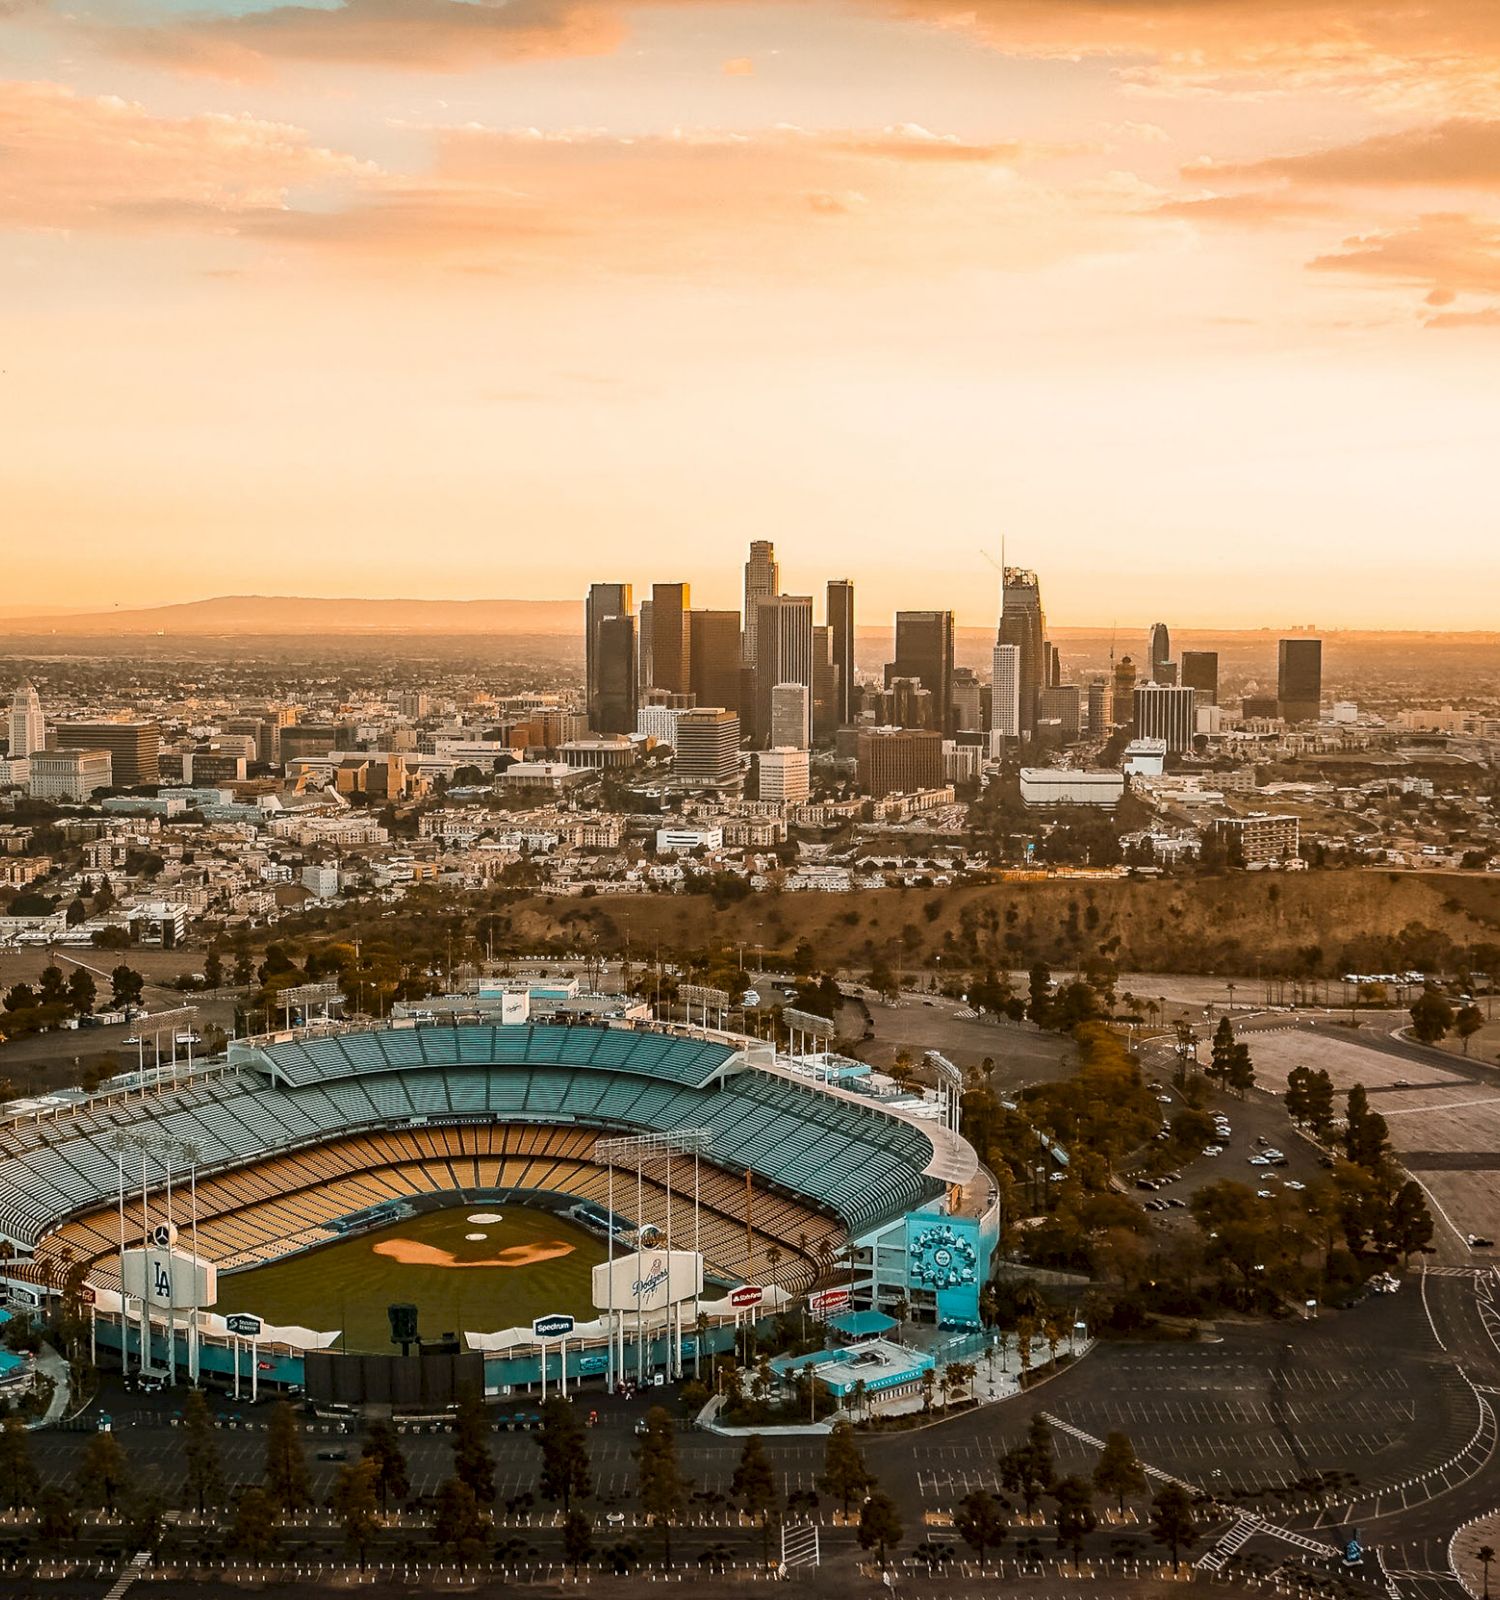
x: 773, y: 1257
x: 1484, y: 1555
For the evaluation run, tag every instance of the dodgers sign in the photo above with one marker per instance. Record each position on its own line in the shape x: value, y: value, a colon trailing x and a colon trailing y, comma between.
x: 557, y: 1326
x: 170, y: 1278
x: 648, y: 1280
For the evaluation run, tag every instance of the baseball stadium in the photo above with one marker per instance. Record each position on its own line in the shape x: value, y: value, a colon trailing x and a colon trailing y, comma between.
x: 501, y: 1180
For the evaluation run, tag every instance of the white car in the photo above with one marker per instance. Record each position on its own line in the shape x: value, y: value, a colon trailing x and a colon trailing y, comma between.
x: 1291, y: 1183
x: 1259, y: 1161
x: 1264, y: 1194
x: 1213, y: 1150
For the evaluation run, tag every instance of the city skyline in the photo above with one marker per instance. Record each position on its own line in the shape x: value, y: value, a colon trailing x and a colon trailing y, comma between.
x: 1195, y: 306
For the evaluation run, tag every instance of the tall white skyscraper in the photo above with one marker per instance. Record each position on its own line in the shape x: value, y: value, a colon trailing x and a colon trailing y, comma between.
x: 1005, y: 692
x: 28, y: 727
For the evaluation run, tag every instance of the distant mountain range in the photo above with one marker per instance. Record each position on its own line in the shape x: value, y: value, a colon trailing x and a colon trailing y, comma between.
x: 292, y: 614
x: 254, y: 614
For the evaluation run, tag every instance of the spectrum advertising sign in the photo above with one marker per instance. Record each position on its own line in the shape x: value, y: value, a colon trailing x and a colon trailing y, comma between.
x: 649, y: 1280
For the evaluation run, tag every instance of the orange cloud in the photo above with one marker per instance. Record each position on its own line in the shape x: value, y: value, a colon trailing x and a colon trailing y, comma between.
x: 1462, y: 152
x: 738, y: 67
x: 1244, y: 210
x: 1439, y: 53
x: 692, y: 205
x: 82, y: 162
x: 1445, y: 254
x: 417, y: 35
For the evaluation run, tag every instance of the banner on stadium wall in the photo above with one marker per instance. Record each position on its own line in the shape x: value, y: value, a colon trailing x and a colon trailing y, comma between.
x: 515, y: 1008
x: 828, y: 1303
x: 170, y: 1278
x: 649, y: 1280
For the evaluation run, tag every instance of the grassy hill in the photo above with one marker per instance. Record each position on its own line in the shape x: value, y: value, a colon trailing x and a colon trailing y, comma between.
x: 1323, y: 922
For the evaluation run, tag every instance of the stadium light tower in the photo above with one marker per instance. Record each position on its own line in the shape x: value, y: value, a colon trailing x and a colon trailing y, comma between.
x: 170, y: 1154
x: 642, y: 1150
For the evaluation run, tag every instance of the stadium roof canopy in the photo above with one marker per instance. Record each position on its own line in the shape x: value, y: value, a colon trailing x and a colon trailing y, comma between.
x: 845, y: 1154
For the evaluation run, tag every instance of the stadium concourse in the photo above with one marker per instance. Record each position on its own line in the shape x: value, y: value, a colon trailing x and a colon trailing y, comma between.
x: 294, y: 1138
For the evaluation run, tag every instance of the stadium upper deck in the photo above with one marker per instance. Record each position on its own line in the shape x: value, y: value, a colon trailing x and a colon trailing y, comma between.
x: 850, y: 1156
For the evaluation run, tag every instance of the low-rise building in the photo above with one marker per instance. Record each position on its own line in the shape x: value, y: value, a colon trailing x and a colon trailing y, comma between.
x: 75, y: 774
x: 1044, y: 787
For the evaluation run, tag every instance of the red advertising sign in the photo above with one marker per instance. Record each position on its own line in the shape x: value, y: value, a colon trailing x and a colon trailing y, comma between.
x: 827, y: 1303
x: 748, y: 1294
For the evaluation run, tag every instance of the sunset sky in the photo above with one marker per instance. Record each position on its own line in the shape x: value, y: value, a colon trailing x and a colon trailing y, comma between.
x: 1195, y: 302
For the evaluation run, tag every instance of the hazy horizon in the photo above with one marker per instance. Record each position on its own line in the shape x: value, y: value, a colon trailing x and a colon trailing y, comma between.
x: 12, y: 614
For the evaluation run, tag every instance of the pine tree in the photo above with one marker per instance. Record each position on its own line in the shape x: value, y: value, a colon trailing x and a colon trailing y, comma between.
x: 383, y: 1446
x: 845, y: 1475
x: 1075, y: 1514
x: 103, y: 1471
x: 19, y: 1482
x: 253, y: 1531
x: 1173, y: 1521
x: 980, y: 1523
x: 473, y: 1464
x: 578, y: 1540
x: 565, y: 1456
x: 458, y: 1522
x: 204, y: 1478
x: 662, y: 1486
x: 879, y: 1524
x: 353, y: 1503
x: 754, y: 1485
x: 1118, y: 1472
x: 286, y: 1466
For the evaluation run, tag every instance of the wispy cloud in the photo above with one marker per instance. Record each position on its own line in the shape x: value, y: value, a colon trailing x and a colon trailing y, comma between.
x: 1459, y: 153
x: 83, y: 162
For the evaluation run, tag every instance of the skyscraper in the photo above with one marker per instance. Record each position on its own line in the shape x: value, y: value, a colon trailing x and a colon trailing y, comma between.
x: 841, y: 625
x: 607, y: 602
x: 790, y: 716
x: 783, y: 651
x: 762, y: 581
x: 134, y: 748
x: 899, y: 760
x: 966, y: 701
x: 714, y: 646
x: 1163, y: 712
x: 1299, y: 679
x: 1161, y: 650
x: 1023, y: 625
x: 1101, y: 707
x: 924, y: 651
x: 1124, y: 695
x: 825, y: 709
x: 1005, y: 692
x: 645, y: 643
x: 616, y: 698
x: 28, y: 727
x: 671, y: 639
x: 707, y: 747
x: 1200, y: 671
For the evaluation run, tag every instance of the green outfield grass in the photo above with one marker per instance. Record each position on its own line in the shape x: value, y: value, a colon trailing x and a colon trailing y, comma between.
x: 348, y: 1285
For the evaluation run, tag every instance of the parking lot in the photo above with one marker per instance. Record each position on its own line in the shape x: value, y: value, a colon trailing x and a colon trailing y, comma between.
x: 1444, y: 1124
